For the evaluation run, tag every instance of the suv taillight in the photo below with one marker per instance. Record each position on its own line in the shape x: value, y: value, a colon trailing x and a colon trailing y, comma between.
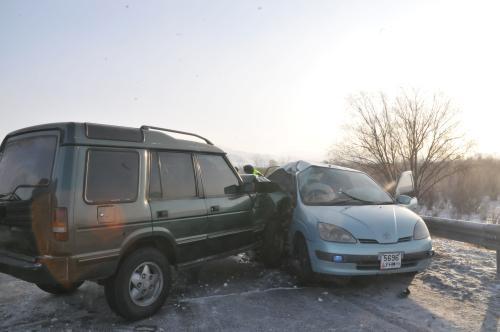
x: 60, y: 224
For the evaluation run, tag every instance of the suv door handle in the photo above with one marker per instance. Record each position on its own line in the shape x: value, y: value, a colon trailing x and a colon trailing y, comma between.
x: 215, y: 208
x: 162, y: 214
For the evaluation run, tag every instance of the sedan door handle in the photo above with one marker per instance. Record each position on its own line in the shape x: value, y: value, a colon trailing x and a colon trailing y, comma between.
x: 214, y: 208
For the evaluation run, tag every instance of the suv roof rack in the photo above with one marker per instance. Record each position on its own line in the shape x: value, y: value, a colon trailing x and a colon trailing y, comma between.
x: 144, y: 127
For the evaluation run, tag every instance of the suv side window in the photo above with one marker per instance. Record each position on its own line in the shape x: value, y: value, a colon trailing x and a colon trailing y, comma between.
x: 217, y: 174
x: 111, y: 176
x: 174, y: 178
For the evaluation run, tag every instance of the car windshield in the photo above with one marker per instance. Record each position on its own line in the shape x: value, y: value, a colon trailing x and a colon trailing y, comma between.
x: 26, y: 161
x: 331, y: 186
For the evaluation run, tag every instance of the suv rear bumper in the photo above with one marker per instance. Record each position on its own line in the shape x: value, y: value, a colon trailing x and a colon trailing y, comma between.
x: 39, y: 271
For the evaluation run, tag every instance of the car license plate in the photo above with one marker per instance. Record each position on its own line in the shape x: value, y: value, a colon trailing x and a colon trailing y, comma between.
x: 390, y: 260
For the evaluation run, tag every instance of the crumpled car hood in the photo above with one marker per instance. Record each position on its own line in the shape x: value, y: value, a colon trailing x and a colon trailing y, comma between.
x: 384, y: 223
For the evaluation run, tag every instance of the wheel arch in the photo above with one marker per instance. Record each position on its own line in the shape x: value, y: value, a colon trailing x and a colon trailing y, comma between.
x: 159, y: 240
x: 295, y: 237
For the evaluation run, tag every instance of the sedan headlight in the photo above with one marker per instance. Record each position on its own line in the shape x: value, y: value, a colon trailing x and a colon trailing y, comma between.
x: 329, y: 232
x: 420, y: 231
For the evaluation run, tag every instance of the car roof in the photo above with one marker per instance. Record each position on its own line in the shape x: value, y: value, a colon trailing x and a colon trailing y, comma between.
x: 91, y: 134
x: 300, y: 165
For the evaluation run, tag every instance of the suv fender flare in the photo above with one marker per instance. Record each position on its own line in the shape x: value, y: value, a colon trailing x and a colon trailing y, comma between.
x: 165, y: 234
x: 156, y: 237
x: 133, y: 237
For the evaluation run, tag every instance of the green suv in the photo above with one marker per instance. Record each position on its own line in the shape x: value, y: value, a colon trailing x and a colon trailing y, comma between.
x: 125, y: 207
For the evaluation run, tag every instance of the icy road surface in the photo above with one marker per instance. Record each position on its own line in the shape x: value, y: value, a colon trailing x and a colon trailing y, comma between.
x: 458, y: 292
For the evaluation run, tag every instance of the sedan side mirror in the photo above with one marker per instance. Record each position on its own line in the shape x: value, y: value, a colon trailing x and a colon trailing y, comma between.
x: 409, y: 202
x: 405, y: 184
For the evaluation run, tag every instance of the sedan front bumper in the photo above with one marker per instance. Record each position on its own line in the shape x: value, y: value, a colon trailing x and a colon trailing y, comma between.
x: 363, y: 259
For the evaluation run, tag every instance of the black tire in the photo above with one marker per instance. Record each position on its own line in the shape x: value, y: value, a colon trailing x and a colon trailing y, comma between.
x: 60, y: 289
x: 303, y: 269
x: 273, y: 246
x: 118, y: 289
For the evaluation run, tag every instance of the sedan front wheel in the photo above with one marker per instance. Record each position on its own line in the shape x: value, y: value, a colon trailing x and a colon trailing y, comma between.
x: 304, y: 271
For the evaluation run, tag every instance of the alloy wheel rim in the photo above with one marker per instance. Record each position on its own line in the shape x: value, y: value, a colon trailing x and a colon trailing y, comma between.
x: 146, y: 284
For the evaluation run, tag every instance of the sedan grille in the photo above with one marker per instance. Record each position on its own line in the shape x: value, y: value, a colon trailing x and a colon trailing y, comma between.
x: 368, y: 241
x: 373, y: 241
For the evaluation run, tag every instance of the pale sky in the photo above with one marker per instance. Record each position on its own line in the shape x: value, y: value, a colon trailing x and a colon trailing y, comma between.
x: 266, y: 77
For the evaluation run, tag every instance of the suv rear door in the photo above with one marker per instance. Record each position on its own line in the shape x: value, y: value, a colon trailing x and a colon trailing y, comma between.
x: 176, y: 203
x: 110, y: 204
x: 229, y: 221
x: 26, y: 167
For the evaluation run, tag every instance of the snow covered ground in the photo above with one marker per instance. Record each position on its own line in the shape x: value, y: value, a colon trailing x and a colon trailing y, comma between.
x: 487, y: 212
x: 458, y: 292
x: 466, y: 274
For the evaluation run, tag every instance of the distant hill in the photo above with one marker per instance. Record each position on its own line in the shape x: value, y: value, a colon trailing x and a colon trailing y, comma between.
x: 241, y: 158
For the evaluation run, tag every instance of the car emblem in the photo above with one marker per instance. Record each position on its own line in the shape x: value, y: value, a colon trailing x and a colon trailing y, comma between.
x: 386, y: 235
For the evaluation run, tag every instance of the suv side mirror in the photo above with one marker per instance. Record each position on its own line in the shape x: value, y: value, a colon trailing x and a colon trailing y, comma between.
x: 231, y: 190
x: 410, y: 202
x: 234, y: 189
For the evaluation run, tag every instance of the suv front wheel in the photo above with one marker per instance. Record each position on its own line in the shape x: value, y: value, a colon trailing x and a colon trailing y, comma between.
x: 273, y: 246
x: 141, y: 285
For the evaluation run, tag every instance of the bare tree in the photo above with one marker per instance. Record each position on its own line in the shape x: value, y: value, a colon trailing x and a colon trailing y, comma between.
x: 386, y: 137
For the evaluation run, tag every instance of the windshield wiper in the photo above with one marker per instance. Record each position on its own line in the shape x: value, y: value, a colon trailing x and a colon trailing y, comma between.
x: 362, y: 200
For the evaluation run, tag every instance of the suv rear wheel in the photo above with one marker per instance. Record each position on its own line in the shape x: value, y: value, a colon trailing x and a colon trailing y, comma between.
x: 141, y: 285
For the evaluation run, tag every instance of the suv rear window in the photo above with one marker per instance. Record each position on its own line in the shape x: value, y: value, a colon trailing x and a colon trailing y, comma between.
x: 112, y: 176
x: 27, y: 161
